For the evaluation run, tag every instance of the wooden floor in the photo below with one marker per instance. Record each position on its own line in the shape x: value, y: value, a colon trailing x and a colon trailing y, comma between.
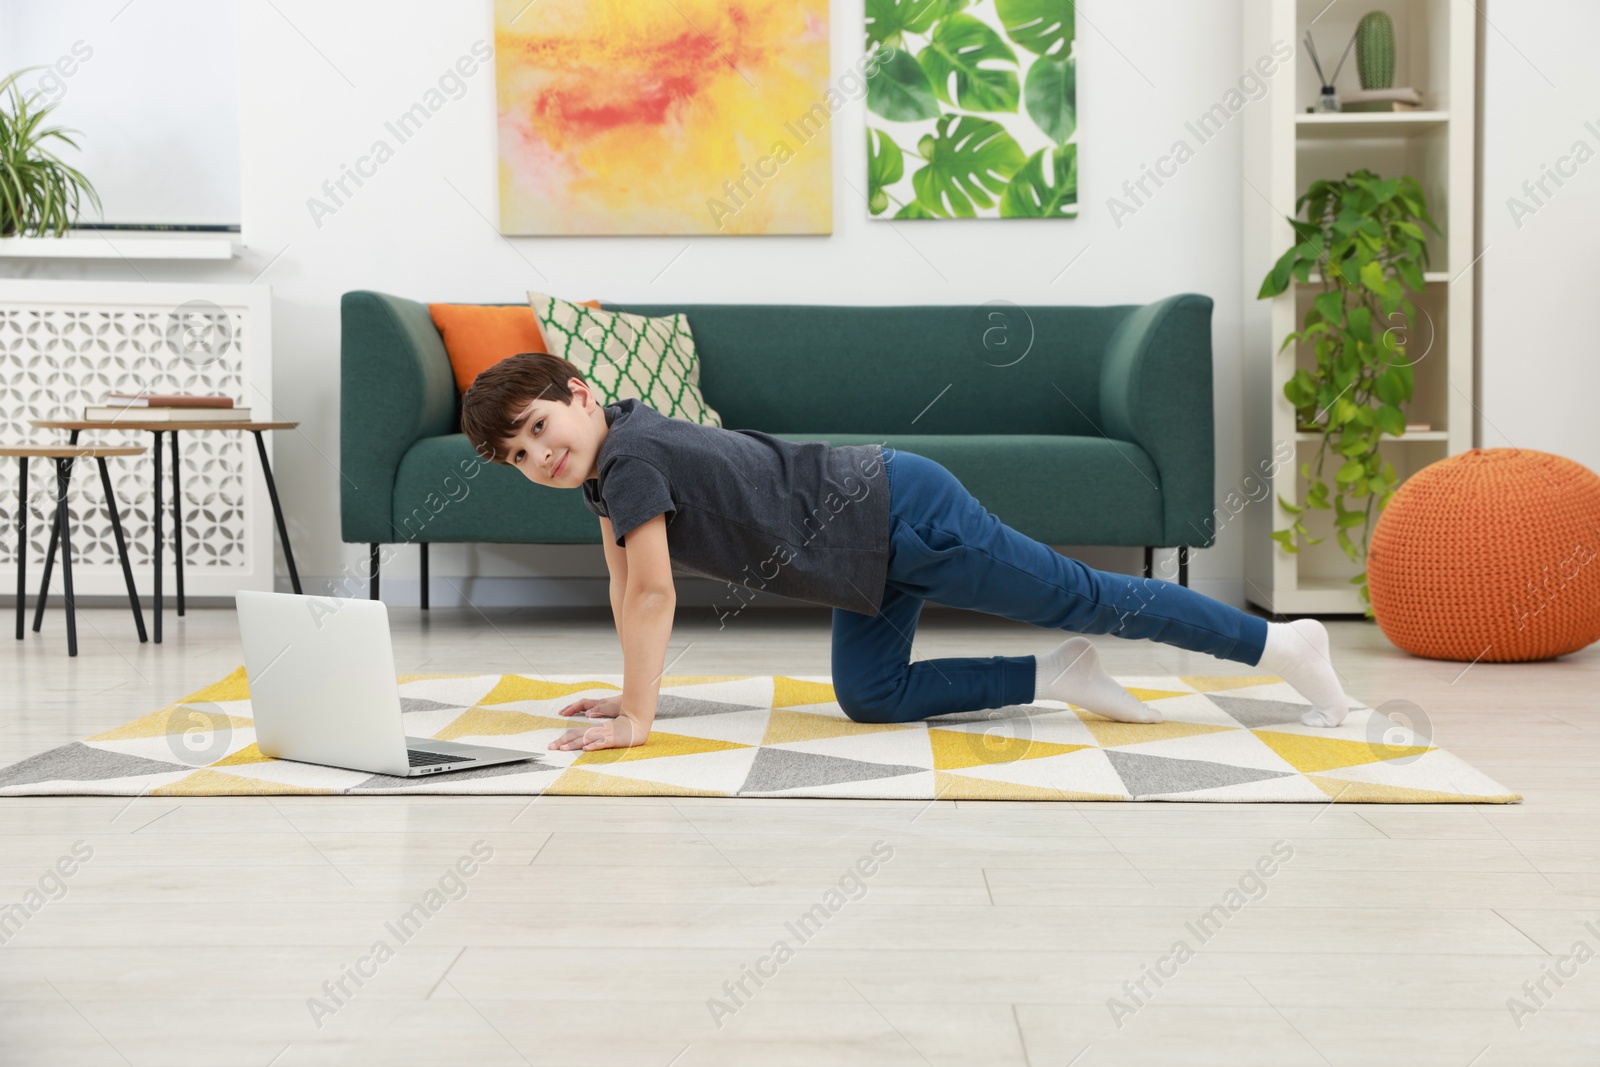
x: 615, y: 932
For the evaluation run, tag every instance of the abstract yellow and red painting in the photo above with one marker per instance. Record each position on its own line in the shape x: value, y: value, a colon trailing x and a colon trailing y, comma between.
x: 688, y: 117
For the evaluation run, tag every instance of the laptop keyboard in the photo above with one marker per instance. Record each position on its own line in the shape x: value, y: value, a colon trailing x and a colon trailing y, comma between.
x: 428, y: 759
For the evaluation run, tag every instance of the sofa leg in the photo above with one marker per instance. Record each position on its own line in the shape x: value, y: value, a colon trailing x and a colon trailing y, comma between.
x: 424, y: 546
x: 1183, y: 566
x: 372, y: 576
x: 1148, y: 554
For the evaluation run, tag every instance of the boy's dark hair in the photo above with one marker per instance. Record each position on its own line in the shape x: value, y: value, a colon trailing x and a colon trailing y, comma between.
x: 490, y: 409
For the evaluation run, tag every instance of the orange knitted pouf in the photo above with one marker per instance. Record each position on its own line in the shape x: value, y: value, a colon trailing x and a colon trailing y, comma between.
x: 1492, y: 555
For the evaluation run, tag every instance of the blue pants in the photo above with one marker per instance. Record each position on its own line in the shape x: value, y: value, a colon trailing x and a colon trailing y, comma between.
x: 944, y: 546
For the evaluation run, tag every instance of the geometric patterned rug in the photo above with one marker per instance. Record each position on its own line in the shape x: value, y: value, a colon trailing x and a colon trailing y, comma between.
x: 1225, y: 738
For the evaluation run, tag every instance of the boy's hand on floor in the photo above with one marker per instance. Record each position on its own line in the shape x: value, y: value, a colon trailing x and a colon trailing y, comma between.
x: 620, y: 732
x: 609, y: 708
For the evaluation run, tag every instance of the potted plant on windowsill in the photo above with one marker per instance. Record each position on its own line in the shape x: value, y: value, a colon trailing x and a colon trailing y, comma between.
x: 39, y: 193
x: 1365, y: 235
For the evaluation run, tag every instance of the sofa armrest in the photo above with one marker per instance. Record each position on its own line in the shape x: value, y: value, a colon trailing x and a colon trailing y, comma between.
x: 1156, y: 390
x: 396, y: 387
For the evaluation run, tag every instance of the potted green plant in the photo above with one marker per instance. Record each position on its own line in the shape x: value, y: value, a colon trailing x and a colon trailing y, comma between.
x: 39, y: 193
x: 1364, y: 235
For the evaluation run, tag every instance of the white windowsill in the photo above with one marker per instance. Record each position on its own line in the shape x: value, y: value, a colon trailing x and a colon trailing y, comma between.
x: 123, y: 245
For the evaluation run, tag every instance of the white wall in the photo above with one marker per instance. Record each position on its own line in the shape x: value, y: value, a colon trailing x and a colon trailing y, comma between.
x: 318, y: 81
x: 1540, y: 267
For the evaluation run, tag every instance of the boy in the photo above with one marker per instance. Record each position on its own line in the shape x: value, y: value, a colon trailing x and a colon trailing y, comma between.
x: 870, y: 530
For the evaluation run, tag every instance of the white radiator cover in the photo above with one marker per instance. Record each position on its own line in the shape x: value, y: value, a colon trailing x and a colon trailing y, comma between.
x: 63, y: 346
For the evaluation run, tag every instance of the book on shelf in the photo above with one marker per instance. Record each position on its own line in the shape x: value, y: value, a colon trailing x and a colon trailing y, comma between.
x: 167, y: 414
x: 1400, y: 99
x: 166, y: 400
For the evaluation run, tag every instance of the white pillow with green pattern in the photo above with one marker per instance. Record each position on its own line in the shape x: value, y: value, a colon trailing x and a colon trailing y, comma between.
x: 624, y: 355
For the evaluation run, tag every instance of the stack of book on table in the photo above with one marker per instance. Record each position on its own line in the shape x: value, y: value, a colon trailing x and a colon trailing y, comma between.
x: 173, y: 407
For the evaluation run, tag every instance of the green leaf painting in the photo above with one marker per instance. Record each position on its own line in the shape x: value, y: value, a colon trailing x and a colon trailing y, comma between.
x: 1051, y: 97
x: 1044, y: 187
x: 967, y: 159
x: 974, y: 112
x: 960, y: 45
x: 900, y: 90
x: 888, y: 20
x: 1043, y: 27
x: 885, y: 166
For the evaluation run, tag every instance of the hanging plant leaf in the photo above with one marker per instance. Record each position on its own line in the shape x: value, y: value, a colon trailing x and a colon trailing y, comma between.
x: 1392, y: 420
x: 1043, y: 27
x: 1358, y: 321
x: 960, y: 45
x: 1051, y: 97
x: 1330, y: 305
x: 1037, y: 193
x: 1371, y: 254
x: 1299, y: 390
x: 968, y: 159
x: 900, y: 91
x: 1389, y: 387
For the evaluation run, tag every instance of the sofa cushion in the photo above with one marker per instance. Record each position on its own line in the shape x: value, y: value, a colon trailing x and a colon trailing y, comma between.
x: 629, y: 356
x: 477, y: 336
x: 1029, y: 480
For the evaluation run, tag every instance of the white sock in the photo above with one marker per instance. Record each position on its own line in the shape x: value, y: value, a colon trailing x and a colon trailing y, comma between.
x: 1297, y: 652
x: 1072, y: 673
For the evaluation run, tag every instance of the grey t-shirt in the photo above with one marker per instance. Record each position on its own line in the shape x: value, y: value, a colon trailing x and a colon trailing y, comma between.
x: 803, y: 519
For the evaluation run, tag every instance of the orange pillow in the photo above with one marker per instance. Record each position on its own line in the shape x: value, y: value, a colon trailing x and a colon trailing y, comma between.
x: 477, y: 336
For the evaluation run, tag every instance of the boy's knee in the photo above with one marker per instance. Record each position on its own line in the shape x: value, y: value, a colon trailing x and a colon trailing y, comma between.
x: 864, y: 710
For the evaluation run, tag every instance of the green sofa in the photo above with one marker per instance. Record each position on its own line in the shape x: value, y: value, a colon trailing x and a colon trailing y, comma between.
x: 1074, y: 425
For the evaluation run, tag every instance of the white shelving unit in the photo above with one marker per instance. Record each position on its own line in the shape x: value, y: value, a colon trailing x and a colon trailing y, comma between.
x: 1285, y: 149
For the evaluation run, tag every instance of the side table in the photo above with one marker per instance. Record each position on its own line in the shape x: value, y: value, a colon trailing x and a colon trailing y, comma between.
x: 64, y: 457
x: 157, y: 428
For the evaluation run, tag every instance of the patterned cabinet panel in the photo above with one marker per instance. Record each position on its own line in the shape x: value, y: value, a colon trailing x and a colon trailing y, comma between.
x: 63, y: 347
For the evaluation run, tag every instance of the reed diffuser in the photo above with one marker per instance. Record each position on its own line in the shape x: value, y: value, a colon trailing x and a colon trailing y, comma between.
x: 1330, y: 97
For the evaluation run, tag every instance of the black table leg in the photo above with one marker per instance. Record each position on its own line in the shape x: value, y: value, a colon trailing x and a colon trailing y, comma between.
x: 177, y: 519
x: 44, y: 578
x: 277, y: 512
x: 64, y: 521
x: 22, y: 545
x: 1183, y: 565
x: 122, y: 548
x: 49, y: 561
x: 372, y: 585
x: 424, y: 576
x: 155, y: 550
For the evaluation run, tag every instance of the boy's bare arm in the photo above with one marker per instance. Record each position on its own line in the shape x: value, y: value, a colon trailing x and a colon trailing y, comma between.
x: 617, y: 564
x: 649, y: 601
x: 643, y: 609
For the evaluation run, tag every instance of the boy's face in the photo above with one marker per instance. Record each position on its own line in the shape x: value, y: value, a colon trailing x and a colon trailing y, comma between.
x: 559, y: 443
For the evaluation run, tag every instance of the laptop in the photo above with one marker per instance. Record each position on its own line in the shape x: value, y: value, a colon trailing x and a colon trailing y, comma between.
x: 323, y: 689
